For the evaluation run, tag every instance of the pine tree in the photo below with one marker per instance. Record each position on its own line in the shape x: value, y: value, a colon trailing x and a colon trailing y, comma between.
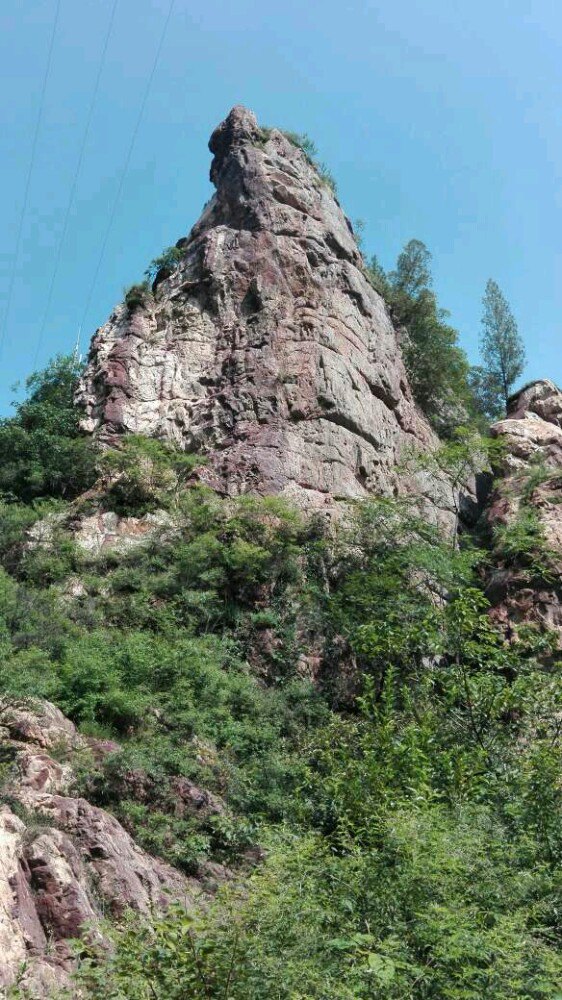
x: 413, y: 269
x: 502, y: 348
x: 436, y: 365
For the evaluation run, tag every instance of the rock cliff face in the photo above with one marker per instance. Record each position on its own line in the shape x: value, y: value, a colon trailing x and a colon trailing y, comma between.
x: 63, y: 862
x: 527, y: 589
x: 266, y: 348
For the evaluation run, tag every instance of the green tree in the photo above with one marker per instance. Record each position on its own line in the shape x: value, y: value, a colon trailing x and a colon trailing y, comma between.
x: 501, y: 345
x: 413, y: 269
x: 487, y: 392
x: 42, y: 449
x: 436, y: 364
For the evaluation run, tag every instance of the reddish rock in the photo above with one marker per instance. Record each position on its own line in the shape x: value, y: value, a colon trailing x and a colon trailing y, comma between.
x: 191, y: 800
x: 40, y: 723
x: 66, y: 864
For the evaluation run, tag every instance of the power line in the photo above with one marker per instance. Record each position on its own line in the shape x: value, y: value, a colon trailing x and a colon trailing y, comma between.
x: 28, y: 179
x: 126, y: 167
x: 74, y: 184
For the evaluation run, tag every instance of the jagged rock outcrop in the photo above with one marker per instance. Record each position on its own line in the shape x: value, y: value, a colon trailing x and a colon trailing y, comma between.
x: 266, y: 349
x: 64, y: 863
x: 526, y: 587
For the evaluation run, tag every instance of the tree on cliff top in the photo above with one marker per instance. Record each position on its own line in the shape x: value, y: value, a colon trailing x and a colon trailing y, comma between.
x: 502, y: 348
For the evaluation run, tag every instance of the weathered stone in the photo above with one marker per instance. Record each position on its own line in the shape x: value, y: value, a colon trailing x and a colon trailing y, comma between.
x: 39, y: 723
x: 66, y: 863
x: 104, y: 531
x: 267, y: 349
x: 532, y: 430
x: 107, y: 531
x: 532, y: 438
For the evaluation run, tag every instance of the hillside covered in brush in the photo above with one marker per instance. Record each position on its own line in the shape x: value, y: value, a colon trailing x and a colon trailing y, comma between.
x: 280, y: 676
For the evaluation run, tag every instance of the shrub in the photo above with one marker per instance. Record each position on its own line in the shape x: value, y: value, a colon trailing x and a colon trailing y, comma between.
x: 137, y: 296
x: 308, y: 146
x: 167, y: 262
x: 304, y: 142
x: 145, y: 474
x: 521, y: 543
x: 42, y: 450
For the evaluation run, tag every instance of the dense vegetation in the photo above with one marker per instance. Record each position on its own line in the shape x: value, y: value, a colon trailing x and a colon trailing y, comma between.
x: 42, y: 452
x: 408, y: 804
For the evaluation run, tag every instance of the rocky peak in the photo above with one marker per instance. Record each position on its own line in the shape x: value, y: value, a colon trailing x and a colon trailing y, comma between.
x: 266, y: 348
x: 239, y: 126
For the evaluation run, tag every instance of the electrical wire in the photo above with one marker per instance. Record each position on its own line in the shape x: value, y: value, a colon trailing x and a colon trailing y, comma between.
x: 74, y: 184
x: 38, y: 122
x: 125, y: 169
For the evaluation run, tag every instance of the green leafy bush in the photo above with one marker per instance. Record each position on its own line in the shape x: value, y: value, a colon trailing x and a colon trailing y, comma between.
x: 167, y: 262
x: 137, y: 296
x: 144, y: 474
x: 308, y: 146
x: 304, y: 142
x: 42, y: 451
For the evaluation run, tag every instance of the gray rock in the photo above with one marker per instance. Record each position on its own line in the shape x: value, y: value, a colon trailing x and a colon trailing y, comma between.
x: 103, y: 531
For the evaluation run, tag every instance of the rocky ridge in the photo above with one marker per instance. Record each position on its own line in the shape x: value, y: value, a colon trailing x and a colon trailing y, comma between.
x: 266, y: 349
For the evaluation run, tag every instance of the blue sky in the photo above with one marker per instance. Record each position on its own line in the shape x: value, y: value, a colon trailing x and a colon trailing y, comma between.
x: 440, y: 120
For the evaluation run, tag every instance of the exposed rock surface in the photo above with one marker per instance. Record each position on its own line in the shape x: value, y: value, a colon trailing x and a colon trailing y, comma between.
x: 102, y: 531
x: 267, y: 348
x: 105, y: 530
x: 63, y: 862
x: 527, y: 590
